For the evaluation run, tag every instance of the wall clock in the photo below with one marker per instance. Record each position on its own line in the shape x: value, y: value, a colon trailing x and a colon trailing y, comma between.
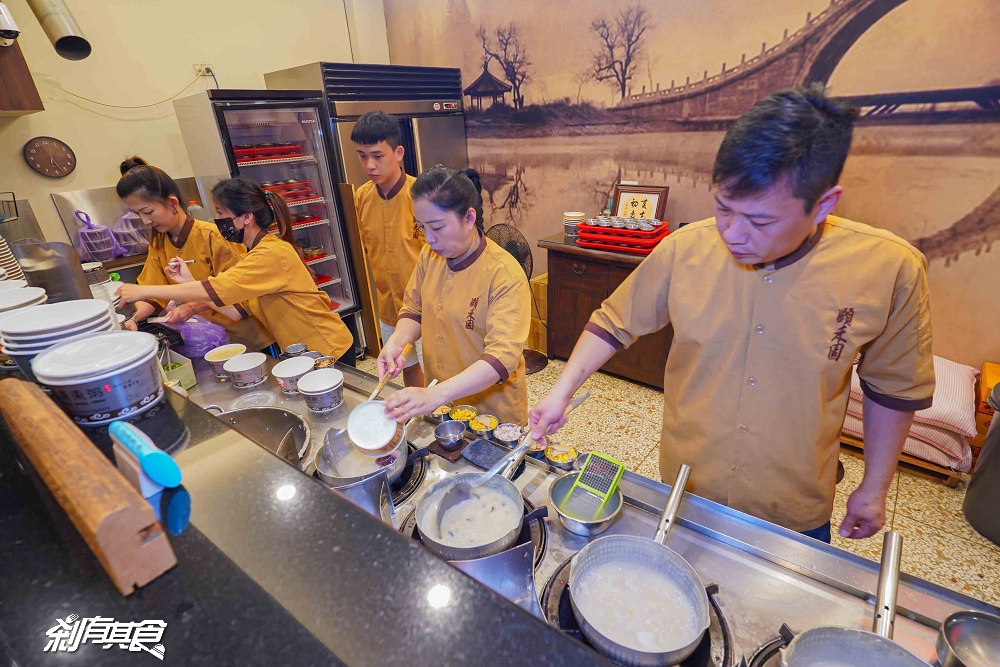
x: 49, y: 157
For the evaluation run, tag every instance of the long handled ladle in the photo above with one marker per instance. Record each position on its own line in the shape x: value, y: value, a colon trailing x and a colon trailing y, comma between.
x: 462, y: 491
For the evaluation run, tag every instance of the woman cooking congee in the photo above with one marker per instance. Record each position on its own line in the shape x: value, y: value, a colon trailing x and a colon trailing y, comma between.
x: 469, y: 300
x: 152, y: 195
x: 272, y: 277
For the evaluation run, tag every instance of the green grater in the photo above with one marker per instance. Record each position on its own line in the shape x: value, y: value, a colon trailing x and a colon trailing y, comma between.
x: 599, y: 476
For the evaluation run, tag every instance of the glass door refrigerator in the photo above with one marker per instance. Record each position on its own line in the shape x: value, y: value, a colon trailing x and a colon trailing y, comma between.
x: 280, y: 140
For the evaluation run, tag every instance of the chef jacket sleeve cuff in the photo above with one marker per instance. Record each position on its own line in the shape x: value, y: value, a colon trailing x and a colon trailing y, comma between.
x: 212, y: 294
x: 497, y: 366
x: 603, y: 335
x: 893, y: 403
x: 240, y: 309
x: 410, y: 316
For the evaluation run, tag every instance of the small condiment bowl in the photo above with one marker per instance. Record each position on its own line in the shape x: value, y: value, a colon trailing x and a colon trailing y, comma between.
x: 290, y: 371
x: 247, y: 370
x: 564, y: 465
x: 508, y: 443
x: 483, y: 420
x: 326, y: 362
x: 217, y: 358
x: 449, y: 434
x: 537, y: 449
x: 463, y: 407
x: 442, y: 417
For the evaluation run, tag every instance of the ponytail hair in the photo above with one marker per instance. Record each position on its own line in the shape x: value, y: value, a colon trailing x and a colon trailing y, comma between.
x: 454, y: 190
x: 241, y: 196
x: 141, y: 178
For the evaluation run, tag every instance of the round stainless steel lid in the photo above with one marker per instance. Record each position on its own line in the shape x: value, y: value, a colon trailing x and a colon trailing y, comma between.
x: 91, y: 356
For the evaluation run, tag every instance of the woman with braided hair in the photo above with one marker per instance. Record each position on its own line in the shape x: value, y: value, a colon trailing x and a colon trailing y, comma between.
x: 272, y: 277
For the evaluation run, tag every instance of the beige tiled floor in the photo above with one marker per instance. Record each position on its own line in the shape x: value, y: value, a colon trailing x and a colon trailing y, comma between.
x: 623, y: 419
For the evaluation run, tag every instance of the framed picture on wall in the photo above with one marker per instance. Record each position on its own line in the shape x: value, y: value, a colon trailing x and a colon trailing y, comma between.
x: 639, y: 201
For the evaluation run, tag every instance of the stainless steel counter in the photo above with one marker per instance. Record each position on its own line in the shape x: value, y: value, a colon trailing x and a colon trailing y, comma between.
x: 767, y: 575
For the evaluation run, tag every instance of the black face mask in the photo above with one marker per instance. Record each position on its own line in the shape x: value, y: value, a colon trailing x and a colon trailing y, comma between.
x: 228, y: 230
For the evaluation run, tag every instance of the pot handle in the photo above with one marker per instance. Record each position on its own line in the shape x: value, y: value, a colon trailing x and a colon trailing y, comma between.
x: 888, y: 584
x: 712, y: 590
x: 673, y: 503
x: 417, y: 455
x: 209, y: 408
x: 537, y: 514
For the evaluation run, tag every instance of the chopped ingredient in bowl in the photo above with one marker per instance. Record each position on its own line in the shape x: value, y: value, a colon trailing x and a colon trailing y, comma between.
x: 173, y: 365
x: 462, y: 414
x: 508, y: 432
x: 325, y: 362
x: 443, y: 410
x: 478, y: 424
x: 538, y: 446
x: 561, y: 453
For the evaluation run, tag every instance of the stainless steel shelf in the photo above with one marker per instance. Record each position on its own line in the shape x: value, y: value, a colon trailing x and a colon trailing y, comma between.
x: 275, y: 160
x: 303, y: 202
x: 306, y: 225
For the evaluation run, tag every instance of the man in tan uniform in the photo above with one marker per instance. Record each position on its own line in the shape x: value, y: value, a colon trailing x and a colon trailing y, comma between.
x: 771, y: 301
x: 390, y: 235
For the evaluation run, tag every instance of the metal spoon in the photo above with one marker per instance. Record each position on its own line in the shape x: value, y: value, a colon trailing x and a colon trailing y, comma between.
x: 462, y: 491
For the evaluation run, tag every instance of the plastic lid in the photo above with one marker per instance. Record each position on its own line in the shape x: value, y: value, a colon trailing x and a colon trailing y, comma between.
x: 93, y: 355
x: 52, y: 316
x: 13, y: 284
x: 18, y: 298
x: 368, y: 426
x: 292, y: 367
x: 320, y: 380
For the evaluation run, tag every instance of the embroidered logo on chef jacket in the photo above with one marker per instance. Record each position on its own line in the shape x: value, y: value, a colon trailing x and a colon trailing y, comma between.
x: 470, y: 319
x: 844, y: 318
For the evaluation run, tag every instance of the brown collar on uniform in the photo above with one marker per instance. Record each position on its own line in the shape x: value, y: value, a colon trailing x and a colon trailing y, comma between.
x: 260, y: 235
x: 185, y: 232
x: 798, y: 253
x: 471, y: 259
x: 394, y: 190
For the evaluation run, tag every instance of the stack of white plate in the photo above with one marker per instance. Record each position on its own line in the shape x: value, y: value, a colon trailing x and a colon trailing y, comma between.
x: 12, y: 284
x: 28, y: 331
x: 8, y: 263
x: 13, y: 299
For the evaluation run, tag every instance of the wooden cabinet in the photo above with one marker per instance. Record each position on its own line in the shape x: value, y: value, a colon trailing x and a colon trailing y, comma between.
x: 579, y: 280
x: 18, y: 95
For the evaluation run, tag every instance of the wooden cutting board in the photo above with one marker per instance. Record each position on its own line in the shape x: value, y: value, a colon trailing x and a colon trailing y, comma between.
x: 117, y: 524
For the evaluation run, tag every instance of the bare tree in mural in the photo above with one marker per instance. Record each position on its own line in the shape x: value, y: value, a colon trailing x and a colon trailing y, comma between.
x: 505, y: 47
x: 621, y: 46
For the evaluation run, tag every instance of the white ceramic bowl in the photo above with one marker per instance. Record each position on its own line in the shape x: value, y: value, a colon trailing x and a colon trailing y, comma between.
x: 247, y: 370
x: 217, y: 358
x: 289, y: 371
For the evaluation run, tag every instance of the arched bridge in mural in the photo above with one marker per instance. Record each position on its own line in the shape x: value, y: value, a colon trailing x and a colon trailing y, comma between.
x: 808, y: 55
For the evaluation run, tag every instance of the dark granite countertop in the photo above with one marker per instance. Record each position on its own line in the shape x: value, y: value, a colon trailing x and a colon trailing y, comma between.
x: 296, y: 577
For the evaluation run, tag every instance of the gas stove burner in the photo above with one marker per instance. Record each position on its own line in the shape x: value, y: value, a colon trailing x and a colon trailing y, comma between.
x: 714, y: 650
x: 536, y: 531
x: 410, y: 479
x: 768, y: 654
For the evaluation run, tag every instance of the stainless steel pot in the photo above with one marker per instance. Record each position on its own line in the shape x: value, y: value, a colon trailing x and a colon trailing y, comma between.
x: 583, y: 527
x: 632, y: 549
x: 279, y: 431
x: 969, y: 639
x: 428, y: 528
x: 850, y: 647
x: 338, y: 449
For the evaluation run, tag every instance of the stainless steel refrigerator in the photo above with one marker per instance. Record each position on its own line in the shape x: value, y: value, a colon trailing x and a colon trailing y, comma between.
x: 426, y: 100
x: 281, y: 140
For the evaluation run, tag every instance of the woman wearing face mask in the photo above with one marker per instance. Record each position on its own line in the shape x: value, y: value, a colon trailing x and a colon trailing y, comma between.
x: 155, y: 198
x: 469, y: 300
x: 272, y: 277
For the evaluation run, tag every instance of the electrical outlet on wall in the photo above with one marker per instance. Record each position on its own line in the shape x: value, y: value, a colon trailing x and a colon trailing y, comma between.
x: 202, y: 69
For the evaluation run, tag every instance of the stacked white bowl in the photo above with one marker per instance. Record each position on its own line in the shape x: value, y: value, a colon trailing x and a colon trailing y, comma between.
x: 8, y: 263
x: 26, y: 332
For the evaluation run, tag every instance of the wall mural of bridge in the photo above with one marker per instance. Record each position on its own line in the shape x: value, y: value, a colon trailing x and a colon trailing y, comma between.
x: 597, y: 91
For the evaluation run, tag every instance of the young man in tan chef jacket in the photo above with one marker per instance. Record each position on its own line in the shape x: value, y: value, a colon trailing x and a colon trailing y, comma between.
x: 391, y: 237
x: 771, y: 302
x: 469, y: 300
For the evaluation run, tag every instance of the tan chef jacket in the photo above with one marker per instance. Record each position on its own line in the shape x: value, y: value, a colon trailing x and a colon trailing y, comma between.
x: 759, y: 372
x: 287, y: 299
x: 212, y: 254
x: 392, y: 239
x: 479, y: 308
